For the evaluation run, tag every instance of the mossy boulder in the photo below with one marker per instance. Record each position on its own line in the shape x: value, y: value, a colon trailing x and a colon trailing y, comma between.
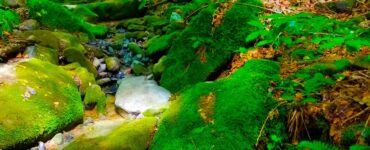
x: 42, y: 100
x: 135, y: 135
x: 95, y: 95
x: 75, y: 55
x: 115, y: 9
x: 113, y: 63
x: 223, y: 114
x: 43, y: 53
x: 81, y: 75
x: 202, y: 48
x: 132, y: 21
x: 160, y: 44
x: 137, y: 34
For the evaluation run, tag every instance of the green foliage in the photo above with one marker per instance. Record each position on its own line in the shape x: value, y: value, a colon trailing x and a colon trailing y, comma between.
x: 359, y: 147
x: 200, y: 49
x: 307, y: 29
x: 54, y: 15
x: 8, y: 19
x: 352, y: 134
x: 315, y: 145
x: 311, y: 79
x: 224, y: 114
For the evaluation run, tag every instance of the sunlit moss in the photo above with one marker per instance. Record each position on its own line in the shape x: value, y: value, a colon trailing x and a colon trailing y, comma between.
x: 43, y: 101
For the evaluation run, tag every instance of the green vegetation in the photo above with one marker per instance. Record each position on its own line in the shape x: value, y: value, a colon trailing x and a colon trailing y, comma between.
x: 43, y: 100
x: 8, y: 19
x: 134, y: 135
x: 201, y: 48
x: 54, y: 15
x: 306, y: 29
x: 218, y: 114
x: 315, y: 145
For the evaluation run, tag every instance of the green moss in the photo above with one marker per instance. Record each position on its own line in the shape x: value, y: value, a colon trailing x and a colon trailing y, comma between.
x: 86, y: 13
x: 43, y: 100
x: 135, y: 48
x: 45, y: 54
x: 137, y: 34
x: 42, y: 37
x: 315, y: 145
x: 81, y: 75
x: 155, y: 21
x: 200, y: 50
x: 54, y: 15
x: 75, y: 55
x: 131, y: 136
x: 218, y: 114
x: 159, y: 44
x: 352, y: 134
x: 94, y: 95
x: 359, y: 147
x: 115, y: 9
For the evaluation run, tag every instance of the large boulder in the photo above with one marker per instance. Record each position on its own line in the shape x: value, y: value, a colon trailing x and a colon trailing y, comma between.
x: 38, y: 100
x: 224, y: 114
x: 138, y: 94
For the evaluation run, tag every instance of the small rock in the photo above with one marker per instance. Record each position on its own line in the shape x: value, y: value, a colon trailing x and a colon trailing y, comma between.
x: 58, y: 139
x: 113, y: 63
x: 88, y: 120
x: 96, y: 62
x: 102, y: 67
x: 29, y: 24
x: 41, y: 146
x: 103, y: 81
x: 342, y: 6
x: 103, y: 74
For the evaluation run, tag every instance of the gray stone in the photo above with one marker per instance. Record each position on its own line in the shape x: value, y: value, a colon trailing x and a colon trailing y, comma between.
x: 29, y: 24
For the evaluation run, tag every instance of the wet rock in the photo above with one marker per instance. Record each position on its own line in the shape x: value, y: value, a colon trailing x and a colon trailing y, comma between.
x: 113, y: 63
x: 29, y: 24
x: 97, y: 62
x: 94, y: 95
x: 39, y: 84
x: 81, y: 76
x: 137, y: 94
x: 102, y: 67
x: 103, y: 81
x: 75, y: 55
x: 42, y: 53
x: 342, y: 6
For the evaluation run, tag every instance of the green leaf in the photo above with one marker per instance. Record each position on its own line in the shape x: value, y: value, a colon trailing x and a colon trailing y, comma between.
x: 142, y: 4
x: 256, y: 23
x: 353, y: 45
x: 332, y: 43
x: 254, y: 35
x: 263, y: 42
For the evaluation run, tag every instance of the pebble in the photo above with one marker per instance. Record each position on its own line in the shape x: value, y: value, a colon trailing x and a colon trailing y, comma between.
x: 102, y: 67
x: 58, y: 139
x: 103, y: 81
x: 103, y: 74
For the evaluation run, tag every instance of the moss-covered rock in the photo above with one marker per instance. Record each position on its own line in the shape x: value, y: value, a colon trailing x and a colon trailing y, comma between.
x: 134, y: 47
x: 132, y: 21
x: 55, y: 15
x: 43, y: 53
x: 42, y: 101
x: 224, y: 114
x: 160, y: 44
x: 115, y: 9
x: 94, y: 95
x: 137, y: 34
x: 202, y: 48
x: 113, y: 63
x: 75, y: 55
x: 135, y: 135
x: 81, y: 75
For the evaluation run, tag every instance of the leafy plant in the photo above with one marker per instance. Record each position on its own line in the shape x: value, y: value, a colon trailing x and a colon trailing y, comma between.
x: 315, y: 145
x: 8, y: 19
x: 306, y: 29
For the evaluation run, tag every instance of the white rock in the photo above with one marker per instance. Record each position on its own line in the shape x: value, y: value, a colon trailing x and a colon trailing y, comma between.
x: 137, y: 94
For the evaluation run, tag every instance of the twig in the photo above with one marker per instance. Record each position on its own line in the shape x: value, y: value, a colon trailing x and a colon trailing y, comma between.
x: 245, y: 4
x: 354, y: 116
x: 194, y: 12
x: 265, y: 122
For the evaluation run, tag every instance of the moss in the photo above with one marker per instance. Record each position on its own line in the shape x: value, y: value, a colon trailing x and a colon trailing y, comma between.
x: 200, y: 49
x: 359, y: 147
x: 54, y: 15
x: 155, y: 21
x: 132, y: 21
x: 131, y: 136
x: 75, y: 55
x: 137, y: 34
x: 42, y: 101
x: 315, y: 145
x: 353, y: 133
x: 94, y: 95
x: 42, y: 37
x: 159, y: 44
x: 135, y: 27
x: 218, y: 114
x: 81, y: 76
x: 115, y: 9
x: 45, y: 54
x: 135, y: 48
x: 86, y: 13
